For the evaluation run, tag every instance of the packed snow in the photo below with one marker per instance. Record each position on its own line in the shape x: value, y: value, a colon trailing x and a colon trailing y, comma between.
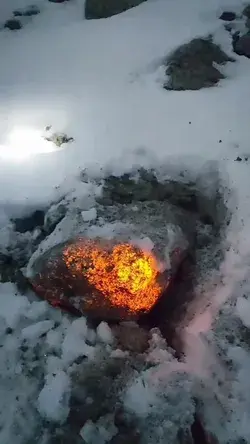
x: 100, y: 81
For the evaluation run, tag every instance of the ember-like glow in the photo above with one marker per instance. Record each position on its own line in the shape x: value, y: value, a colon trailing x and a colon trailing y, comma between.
x: 124, y: 274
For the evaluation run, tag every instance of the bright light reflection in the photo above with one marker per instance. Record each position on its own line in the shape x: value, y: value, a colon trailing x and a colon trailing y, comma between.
x: 23, y: 143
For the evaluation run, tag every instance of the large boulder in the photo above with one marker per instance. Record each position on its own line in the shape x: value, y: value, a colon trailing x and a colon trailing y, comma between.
x: 191, y: 66
x: 104, y: 279
x: 97, y: 9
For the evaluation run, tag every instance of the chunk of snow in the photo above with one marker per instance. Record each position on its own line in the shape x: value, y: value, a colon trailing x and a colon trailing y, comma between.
x: 79, y: 327
x: 119, y: 354
x: 54, y: 338
x: 74, y: 343
x: 140, y: 397
x: 89, y: 215
x: 89, y: 433
x: 54, y: 365
x: 34, y: 331
x: 99, y: 433
x: 36, y: 310
x: 104, y: 333
x: 53, y: 399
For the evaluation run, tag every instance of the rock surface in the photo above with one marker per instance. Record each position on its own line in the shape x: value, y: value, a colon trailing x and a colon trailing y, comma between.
x: 30, y: 222
x: 241, y: 45
x: 131, y: 337
x: 191, y: 66
x: 13, y: 24
x: 228, y: 16
x: 97, y: 9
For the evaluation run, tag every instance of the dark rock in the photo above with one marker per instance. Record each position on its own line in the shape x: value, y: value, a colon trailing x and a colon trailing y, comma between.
x: 27, y: 12
x: 184, y: 437
x: 228, y: 16
x: 132, y: 437
x: 97, y: 9
x: 17, y: 13
x: 238, y: 159
x: 246, y: 11
x: 191, y: 66
x: 131, y: 337
x: 241, y: 44
x: 10, y: 272
x: 13, y: 24
x: 146, y: 187
x: 248, y: 23
x: 96, y: 389
x: 29, y: 223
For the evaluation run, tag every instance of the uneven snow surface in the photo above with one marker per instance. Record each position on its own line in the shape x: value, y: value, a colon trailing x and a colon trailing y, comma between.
x: 100, y: 82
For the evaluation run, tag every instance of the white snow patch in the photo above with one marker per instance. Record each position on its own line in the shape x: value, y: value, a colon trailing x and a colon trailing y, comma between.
x: 53, y: 399
x: 100, y: 432
x: 141, y: 396
x: 36, y: 310
x: 34, y: 331
x: 104, y: 333
x: 89, y: 215
x: 74, y: 343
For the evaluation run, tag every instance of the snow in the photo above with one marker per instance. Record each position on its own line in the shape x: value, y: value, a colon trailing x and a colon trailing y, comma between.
x: 104, y: 333
x: 89, y: 215
x: 74, y: 343
x: 106, y: 92
x: 35, y: 331
x: 99, y: 433
x: 53, y: 399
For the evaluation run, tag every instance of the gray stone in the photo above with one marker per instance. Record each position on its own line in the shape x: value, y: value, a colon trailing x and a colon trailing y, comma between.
x: 97, y: 9
x: 191, y: 66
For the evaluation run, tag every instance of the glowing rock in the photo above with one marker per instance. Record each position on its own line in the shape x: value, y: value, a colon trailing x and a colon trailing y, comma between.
x: 106, y: 280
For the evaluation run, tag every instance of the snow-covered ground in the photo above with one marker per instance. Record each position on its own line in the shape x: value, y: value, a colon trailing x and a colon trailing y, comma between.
x: 100, y: 82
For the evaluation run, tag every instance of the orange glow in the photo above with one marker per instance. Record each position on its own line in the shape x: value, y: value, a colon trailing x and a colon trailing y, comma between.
x: 124, y: 274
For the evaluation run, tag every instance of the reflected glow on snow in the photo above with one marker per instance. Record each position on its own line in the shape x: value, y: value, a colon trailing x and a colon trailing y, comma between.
x: 23, y: 143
